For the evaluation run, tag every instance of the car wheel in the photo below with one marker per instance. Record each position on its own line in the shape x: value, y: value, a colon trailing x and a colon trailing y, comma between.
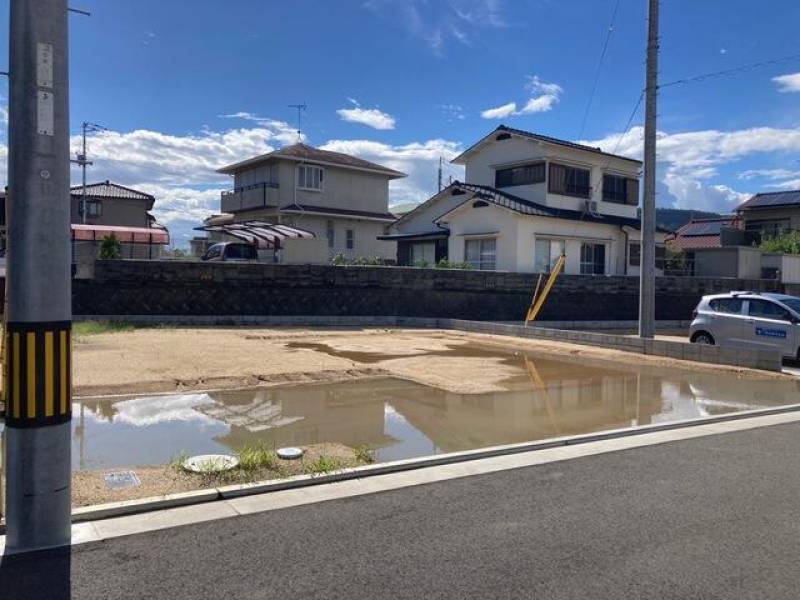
x: 703, y: 338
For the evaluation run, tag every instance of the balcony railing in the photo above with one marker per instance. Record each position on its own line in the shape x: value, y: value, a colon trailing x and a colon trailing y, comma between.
x: 258, y: 195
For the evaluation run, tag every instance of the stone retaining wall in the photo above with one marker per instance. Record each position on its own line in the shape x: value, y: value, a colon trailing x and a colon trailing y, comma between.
x: 131, y: 287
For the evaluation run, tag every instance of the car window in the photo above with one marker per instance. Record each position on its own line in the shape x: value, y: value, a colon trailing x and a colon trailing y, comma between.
x: 240, y: 251
x: 793, y: 303
x: 214, y: 251
x: 767, y: 310
x: 731, y: 306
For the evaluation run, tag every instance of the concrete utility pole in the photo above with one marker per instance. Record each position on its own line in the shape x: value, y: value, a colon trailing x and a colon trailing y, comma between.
x: 38, y: 370
x: 647, y: 268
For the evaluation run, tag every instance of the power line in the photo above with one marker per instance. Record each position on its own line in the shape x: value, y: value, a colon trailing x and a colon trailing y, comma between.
x: 734, y: 70
x: 630, y: 121
x: 599, y: 67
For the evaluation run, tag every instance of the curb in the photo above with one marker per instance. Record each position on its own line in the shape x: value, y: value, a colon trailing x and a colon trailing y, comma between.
x: 129, y: 507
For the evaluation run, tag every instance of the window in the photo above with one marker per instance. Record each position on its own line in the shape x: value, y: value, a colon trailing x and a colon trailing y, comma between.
x: 94, y: 208
x: 593, y: 259
x: 635, y: 255
x: 769, y: 228
x: 309, y: 177
x: 423, y: 254
x: 621, y: 190
x: 523, y: 175
x: 214, y: 252
x: 330, y: 233
x: 767, y: 310
x: 241, y: 251
x: 729, y: 306
x: 569, y: 181
x: 546, y: 254
x: 481, y: 253
x: 350, y: 239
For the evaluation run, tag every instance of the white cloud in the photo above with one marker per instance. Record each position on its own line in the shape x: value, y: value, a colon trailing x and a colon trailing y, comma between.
x: 371, y: 117
x: 544, y: 96
x: 145, y: 155
x: 768, y: 174
x: 436, y: 23
x: 452, y: 112
x: 500, y: 111
x: 690, y: 159
x: 788, y: 83
x: 419, y: 160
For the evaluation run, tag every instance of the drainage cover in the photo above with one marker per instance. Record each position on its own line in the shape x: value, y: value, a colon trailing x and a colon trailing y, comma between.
x: 121, y: 480
x: 210, y: 463
x: 290, y: 453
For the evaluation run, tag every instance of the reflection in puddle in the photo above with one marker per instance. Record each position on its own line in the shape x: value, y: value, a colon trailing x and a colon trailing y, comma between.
x: 402, y: 419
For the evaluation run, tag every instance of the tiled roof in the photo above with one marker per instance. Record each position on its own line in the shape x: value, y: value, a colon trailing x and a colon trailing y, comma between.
x: 695, y: 242
x: 107, y: 189
x: 527, y: 207
x: 772, y: 200
x: 303, y: 152
x: 702, y: 233
x: 705, y: 227
x: 343, y: 212
x: 542, y: 138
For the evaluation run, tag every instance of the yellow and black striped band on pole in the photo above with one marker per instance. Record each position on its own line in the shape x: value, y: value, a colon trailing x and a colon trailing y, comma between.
x: 38, y: 373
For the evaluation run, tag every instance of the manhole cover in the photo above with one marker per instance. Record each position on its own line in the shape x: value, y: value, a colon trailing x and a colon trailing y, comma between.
x: 210, y: 463
x: 290, y: 453
x: 121, y: 480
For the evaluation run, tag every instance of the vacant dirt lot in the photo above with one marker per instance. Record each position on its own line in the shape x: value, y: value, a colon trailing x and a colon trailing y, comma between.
x: 170, y: 359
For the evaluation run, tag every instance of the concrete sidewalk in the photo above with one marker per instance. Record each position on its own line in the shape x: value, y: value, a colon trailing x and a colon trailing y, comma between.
x: 710, y: 517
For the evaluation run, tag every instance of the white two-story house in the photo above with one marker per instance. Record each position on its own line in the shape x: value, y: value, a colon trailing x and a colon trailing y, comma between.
x: 526, y: 199
x: 341, y: 199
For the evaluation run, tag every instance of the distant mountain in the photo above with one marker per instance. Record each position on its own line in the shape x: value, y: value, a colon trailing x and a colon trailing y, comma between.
x: 674, y: 218
x: 401, y: 209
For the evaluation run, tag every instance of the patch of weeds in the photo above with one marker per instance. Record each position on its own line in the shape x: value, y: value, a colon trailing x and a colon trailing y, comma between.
x: 177, y: 461
x: 322, y: 465
x: 253, y: 458
x: 95, y: 327
x: 364, y: 454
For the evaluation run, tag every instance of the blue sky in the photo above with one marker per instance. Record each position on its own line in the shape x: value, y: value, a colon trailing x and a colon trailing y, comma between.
x: 185, y: 86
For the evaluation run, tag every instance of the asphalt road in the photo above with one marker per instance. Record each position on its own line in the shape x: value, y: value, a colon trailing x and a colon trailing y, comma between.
x: 714, y: 517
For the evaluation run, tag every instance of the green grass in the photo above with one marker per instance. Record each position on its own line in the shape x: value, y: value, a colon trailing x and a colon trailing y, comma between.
x: 252, y: 458
x: 322, y: 465
x: 94, y: 327
x: 364, y: 454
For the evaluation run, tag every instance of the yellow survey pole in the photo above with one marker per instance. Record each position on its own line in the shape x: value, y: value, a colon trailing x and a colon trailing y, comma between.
x: 538, y: 300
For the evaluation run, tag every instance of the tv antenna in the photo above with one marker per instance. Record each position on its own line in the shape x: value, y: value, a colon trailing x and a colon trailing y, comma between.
x: 301, y: 108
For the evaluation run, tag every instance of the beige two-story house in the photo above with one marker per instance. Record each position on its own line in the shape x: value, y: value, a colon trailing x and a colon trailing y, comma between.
x: 341, y: 199
x: 527, y: 199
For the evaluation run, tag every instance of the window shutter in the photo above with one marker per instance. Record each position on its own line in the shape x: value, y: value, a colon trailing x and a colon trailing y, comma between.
x: 633, y: 192
x: 558, y: 179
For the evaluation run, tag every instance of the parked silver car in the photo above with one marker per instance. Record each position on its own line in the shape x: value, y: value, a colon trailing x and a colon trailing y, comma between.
x: 749, y: 319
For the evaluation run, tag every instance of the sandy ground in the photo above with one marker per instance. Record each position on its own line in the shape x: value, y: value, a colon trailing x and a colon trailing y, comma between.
x: 89, y: 488
x: 166, y: 360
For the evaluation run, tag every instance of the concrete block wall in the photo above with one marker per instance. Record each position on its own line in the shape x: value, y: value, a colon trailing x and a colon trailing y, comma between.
x: 132, y: 287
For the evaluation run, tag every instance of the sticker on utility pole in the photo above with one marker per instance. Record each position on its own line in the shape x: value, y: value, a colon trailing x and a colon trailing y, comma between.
x: 44, y: 65
x: 44, y: 113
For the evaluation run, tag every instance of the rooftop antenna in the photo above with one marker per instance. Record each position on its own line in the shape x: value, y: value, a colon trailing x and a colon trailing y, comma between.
x: 301, y: 108
x: 82, y: 162
x: 440, y: 173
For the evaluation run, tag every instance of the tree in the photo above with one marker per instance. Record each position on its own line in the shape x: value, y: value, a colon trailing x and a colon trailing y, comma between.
x: 787, y: 243
x: 110, y: 247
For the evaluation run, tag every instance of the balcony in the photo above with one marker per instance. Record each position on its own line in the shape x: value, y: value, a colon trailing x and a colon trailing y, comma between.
x: 258, y: 195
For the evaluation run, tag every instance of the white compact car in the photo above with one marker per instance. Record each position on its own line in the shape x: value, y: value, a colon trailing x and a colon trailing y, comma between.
x: 749, y: 319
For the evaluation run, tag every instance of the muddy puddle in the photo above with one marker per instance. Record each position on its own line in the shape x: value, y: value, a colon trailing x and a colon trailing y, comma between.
x: 544, y: 397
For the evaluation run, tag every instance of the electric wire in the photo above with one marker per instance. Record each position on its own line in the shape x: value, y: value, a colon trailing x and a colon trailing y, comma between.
x: 599, y: 67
